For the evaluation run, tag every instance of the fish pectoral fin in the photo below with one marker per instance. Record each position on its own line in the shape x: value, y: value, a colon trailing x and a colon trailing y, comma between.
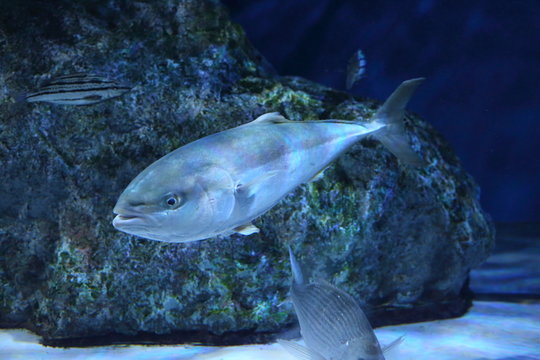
x: 273, y: 117
x: 300, y: 352
x: 247, y: 229
x: 252, y: 186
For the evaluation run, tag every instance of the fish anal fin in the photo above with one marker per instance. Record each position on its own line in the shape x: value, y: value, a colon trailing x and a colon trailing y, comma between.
x: 273, y: 117
x: 394, y: 344
x: 300, y: 352
x: 318, y: 176
x: 247, y: 229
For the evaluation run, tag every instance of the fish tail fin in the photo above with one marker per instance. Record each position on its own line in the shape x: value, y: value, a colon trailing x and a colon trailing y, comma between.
x: 20, y: 97
x: 298, y: 277
x: 298, y: 351
x: 391, y: 114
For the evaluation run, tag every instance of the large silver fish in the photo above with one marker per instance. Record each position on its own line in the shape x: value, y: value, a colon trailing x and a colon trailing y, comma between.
x: 78, y: 89
x: 218, y: 184
x: 332, y: 324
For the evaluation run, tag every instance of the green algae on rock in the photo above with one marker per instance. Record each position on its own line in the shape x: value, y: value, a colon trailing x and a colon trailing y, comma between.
x: 400, y: 240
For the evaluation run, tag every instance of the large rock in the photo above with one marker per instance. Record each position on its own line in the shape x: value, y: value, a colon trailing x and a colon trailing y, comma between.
x: 401, y: 240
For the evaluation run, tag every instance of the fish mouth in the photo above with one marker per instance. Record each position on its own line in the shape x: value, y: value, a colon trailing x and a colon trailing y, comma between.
x: 126, y: 217
x: 122, y: 221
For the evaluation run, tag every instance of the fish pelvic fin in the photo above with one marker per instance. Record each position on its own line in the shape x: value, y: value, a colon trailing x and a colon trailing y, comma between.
x: 246, y: 229
x: 391, y: 114
x: 300, y: 352
x: 298, y: 277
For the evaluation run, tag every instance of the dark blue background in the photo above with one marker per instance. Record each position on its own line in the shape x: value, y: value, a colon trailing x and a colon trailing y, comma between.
x: 481, y: 60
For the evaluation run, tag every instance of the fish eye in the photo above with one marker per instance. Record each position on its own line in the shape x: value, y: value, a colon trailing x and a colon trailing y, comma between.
x: 172, y: 201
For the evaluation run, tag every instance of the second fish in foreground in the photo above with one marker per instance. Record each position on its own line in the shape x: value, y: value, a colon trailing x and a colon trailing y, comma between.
x: 332, y: 324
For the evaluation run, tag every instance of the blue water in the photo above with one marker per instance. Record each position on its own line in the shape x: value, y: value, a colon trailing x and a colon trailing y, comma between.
x: 480, y: 59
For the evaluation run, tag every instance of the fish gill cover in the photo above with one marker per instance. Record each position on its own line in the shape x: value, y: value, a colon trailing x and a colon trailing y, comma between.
x: 399, y: 239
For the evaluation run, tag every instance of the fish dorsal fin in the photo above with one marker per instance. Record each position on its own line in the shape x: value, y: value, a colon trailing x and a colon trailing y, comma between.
x: 300, y: 352
x: 73, y: 75
x: 298, y: 276
x: 247, y: 229
x: 273, y: 117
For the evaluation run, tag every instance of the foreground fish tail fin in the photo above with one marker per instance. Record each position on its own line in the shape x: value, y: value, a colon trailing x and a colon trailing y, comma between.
x: 391, y: 114
x: 300, y: 352
x: 298, y: 277
x: 394, y: 344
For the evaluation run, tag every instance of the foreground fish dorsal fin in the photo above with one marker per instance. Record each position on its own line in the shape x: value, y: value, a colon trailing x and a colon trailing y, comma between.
x: 300, y: 352
x: 273, y: 117
x: 298, y: 277
x: 247, y: 229
x: 394, y: 344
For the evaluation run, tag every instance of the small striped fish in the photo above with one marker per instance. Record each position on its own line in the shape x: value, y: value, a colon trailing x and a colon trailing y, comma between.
x: 355, y: 69
x: 78, y: 89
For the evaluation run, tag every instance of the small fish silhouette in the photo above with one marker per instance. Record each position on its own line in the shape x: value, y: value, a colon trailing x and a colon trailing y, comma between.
x: 78, y: 89
x: 356, y: 68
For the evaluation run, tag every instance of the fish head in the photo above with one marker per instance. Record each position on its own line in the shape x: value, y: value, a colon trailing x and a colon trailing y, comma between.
x: 363, y: 348
x: 167, y: 204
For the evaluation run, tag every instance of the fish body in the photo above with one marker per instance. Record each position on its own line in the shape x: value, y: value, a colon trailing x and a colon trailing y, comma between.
x: 356, y: 68
x: 332, y: 324
x: 78, y: 89
x: 218, y: 184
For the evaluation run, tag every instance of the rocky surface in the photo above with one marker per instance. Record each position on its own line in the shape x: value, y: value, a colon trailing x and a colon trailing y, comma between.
x: 401, y: 240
